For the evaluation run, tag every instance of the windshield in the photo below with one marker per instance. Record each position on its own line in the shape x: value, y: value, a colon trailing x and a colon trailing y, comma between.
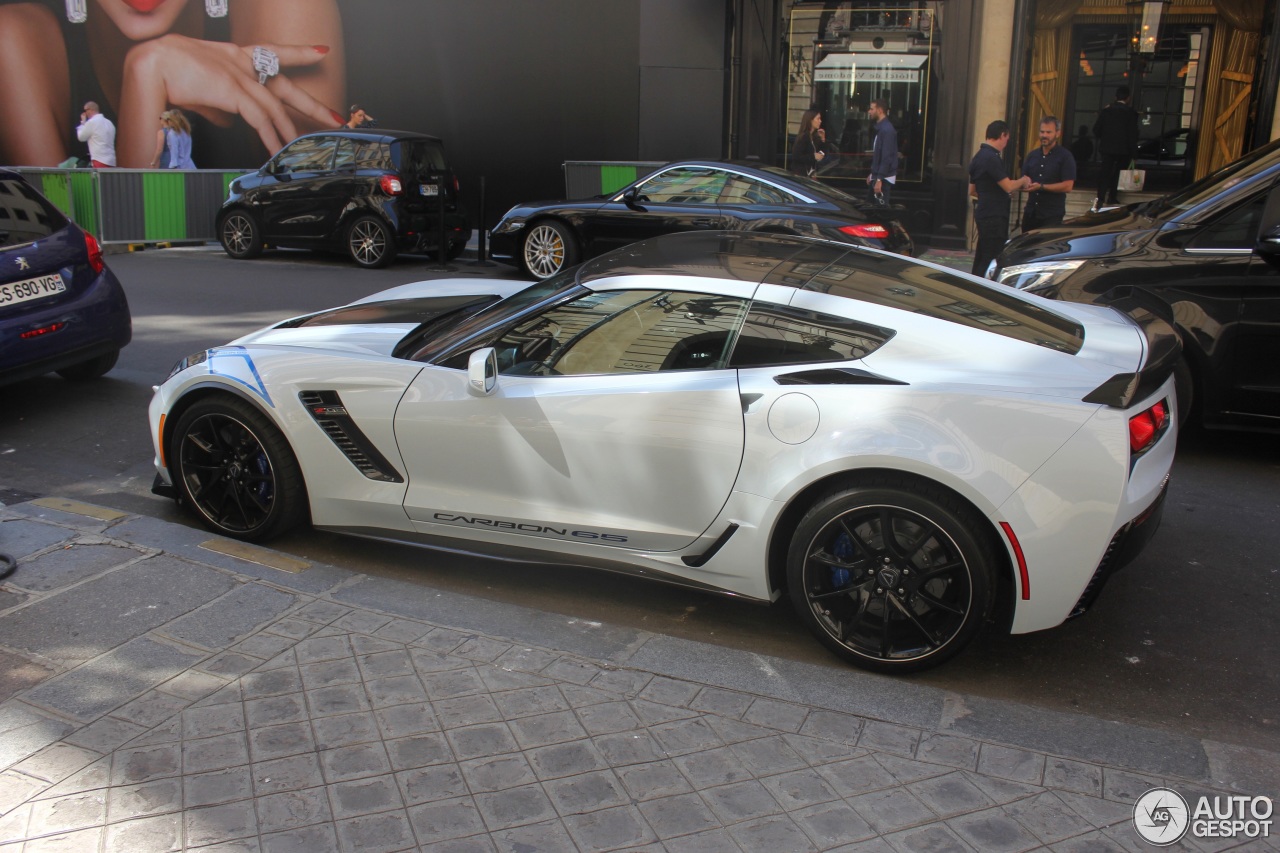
x: 448, y: 337
x: 1228, y: 176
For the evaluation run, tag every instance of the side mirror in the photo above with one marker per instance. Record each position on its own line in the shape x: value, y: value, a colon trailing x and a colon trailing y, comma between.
x: 631, y: 197
x: 482, y: 372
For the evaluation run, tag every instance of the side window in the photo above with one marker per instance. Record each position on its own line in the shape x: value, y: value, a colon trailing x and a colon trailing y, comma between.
x: 313, y: 154
x: 373, y: 155
x: 631, y: 331
x: 740, y: 190
x: 346, y: 153
x: 778, y: 335
x: 684, y: 186
x: 1235, y: 229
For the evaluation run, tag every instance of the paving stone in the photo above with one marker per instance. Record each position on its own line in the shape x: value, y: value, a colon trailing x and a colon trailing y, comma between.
x: 414, y: 718
x: 832, y: 725
x: 546, y: 729
x: 771, y: 834
x: 670, y: 691
x: 1097, y: 811
x: 67, y: 842
x: 142, y: 764
x: 566, y: 759
x: 572, y: 671
x: 429, y: 784
x: 1124, y: 787
x: 19, y: 673
x: 682, y: 814
x: 497, y: 774
x: 263, y: 646
x: 950, y: 795
x: 145, y: 835
x: 361, y: 622
x: 161, y: 796
x: 482, y: 740
x: 993, y: 830
x: 401, y: 690
x: 150, y: 709
x: 445, y: 820
x: 961, y: 752
x: 344, y: 730
x: 376, y: 833
x: 222, y: 786
x: 280, y: 741
x: 418, y: 751
x: 64, y: 566
x: 13, y: 827
x: 88, y: 778
x: 783, y: 716
x: 652, y: 714
x: 364, y: 796
x: 586, y: 792
x: 287, y: 774
x: 891, y: 809
x: 343, y: 699
x: 740, y: 801
x: 624, y: 682
x: 653, y: 780
x: 289, y: 708
x: 308, y: 839
x: 329, y: 673
x: 402, y: 630
x: 1018, y: 765
x: 472, y: 648
x: 545, y: 835
x: 832, y: 824
x: 322, y: 612
x: 229, y: 664
x: 57, y: 762
x: 767, y: 756
x: 293, y: 810
x: 215, y: 753
x: 354, y: 762
x: 514, y: 807
x: 498, y: 680
x: 317, y: 649
x: 293, y: 628
x: 715, y: 700
x: 170, y: 731
x: 224, y: 621
x: 1002, y: 790
x: 799, y: 789
x: 1091, y: 842
x: 213, y: 720
x: 287, y: 659
x: 275, y: 682
x: 735, y: 731
x: 386, y: 663
x: 711, y: 841
x: 712, y: 767
x: 452, y: 683
x: 1048, y: 817
x: 609, y: 829
x: 22, y: 538
x: 430, y: 660
x: 220, y: 823
x: 684, y: 736
x: 523, y: 659
x: 63, y: 814
x: 628, y: 748
x: 887, y: 737
x: 937, y: 838
x: 857, y: 776
x: 531, y: 701
x: 819, y: 751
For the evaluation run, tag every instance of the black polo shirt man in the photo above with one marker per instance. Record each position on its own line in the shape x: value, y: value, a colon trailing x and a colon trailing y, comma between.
x: 1053, y: 168
x: 990, y: 183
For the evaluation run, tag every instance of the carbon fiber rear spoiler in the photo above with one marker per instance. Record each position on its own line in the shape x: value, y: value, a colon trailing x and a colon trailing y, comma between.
x: 1164, y: 347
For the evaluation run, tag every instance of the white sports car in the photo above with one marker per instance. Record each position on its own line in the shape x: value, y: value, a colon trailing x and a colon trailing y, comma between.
x: 907, y: 451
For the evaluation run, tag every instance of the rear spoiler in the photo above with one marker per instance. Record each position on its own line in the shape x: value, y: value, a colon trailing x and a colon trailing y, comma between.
x: 1164, y: 347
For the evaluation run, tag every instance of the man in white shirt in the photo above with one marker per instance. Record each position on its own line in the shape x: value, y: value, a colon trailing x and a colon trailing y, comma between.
x: 97, y: 130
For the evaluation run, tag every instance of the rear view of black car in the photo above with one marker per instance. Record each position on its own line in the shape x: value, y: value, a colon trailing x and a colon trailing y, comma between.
x: 690, y: 195
x: 61, y: 308
x: 370, y: 194
x: 1211, y: 254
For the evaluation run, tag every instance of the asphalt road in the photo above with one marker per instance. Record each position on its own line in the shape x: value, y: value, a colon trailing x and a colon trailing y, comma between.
x: 1184, y: 639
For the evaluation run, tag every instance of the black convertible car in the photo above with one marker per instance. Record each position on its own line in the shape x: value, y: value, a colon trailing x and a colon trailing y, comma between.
x: 691, y: 195
x: 1211, y: 255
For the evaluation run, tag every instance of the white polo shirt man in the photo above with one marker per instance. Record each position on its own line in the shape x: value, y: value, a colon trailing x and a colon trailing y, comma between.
x: 97, y: 130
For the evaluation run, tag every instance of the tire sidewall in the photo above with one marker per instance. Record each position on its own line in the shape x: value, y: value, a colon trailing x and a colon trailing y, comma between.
x: 566, y: 237
x: 255, y: 241
x: 956, y: 523
x: 388, y: 253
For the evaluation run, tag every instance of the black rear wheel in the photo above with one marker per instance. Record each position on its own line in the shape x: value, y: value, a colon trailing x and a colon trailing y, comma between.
x: 369, y: 242
x: 235, y: 469
x: 891, y: 576
x: 240, y: 236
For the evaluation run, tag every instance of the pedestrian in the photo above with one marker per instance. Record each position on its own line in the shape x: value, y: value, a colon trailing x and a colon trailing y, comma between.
x: 809, y: 150
x: 173, y: 142
x: 358, y: 118
x: 97, y: 130
x: 884, y: 155
x: 1052, y: 168
x: 1117, y: 132
x: 990, y: 183
x: 1082, y: 146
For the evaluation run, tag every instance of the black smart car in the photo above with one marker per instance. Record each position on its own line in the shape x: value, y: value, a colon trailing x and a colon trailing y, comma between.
x: 369, y: 193
x: 690, y: 195
x: 1211, y: 255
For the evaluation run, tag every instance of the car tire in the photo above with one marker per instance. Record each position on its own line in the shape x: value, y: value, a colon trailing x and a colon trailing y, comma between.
x: 240, y: 235
x: 548, y: 247
x: 236, y: 470
x: 92, y: 368
x: 899, y: 605
x: 370, y: 243
x: 1185, y: 384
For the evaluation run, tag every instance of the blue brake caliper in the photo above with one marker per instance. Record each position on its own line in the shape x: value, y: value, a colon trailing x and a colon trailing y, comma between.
x: 842, y: 550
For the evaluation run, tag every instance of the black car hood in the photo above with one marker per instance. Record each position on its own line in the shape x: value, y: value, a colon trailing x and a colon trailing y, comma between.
x: 1109, y: 233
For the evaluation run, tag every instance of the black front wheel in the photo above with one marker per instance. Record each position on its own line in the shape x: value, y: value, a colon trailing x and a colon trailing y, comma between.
x: 240, y: 236
x: 235, y: 469
x: 892, y: 576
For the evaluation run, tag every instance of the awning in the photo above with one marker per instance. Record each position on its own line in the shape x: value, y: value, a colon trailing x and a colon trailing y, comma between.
x: 870, y: 67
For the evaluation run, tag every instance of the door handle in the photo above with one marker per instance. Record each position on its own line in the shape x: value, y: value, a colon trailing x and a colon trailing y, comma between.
x: 705, y: 223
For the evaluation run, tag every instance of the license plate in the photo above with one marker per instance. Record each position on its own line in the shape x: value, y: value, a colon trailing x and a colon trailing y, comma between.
x: 429, y: 189
x: 32, y: 288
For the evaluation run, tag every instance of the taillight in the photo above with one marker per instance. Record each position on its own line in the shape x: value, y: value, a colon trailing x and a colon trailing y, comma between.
x: 42, y: 331
x: 456, y: 185
x: 391, y: 185
x: 95, y: 253
x: 871, y: 231
x: 1147, y: 427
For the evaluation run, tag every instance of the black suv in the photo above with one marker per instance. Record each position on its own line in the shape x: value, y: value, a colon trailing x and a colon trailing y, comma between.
x: 1211, y: 254
x: 369, y: 193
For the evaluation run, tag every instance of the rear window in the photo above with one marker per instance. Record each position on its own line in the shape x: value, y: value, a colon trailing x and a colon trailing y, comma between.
x: 25, y: 216
x: 419, y: 157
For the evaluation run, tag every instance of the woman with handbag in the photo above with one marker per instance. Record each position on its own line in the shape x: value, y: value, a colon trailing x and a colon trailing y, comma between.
x: 809, y: 151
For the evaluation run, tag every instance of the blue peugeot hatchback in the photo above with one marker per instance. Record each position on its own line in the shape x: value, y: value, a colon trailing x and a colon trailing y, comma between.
x: 61, y: 308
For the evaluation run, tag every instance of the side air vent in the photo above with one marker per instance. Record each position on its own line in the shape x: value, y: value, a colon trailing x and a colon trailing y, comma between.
x: 326, y: 408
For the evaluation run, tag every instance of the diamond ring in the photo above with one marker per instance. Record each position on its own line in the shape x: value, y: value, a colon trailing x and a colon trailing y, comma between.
x: 266, y: 63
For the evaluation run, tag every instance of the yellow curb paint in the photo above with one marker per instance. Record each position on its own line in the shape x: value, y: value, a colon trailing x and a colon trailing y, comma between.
x: 254, y: 554
x: 65, y: 505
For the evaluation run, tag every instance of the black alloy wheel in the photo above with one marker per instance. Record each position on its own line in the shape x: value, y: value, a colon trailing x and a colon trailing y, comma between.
x: 891, y: 576
x: 240, y: 236
x: 236, y: 470
x: 369, y: 242
x: 548, y: 248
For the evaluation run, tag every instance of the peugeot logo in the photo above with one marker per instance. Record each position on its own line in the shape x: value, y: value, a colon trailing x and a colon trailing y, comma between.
x: 23, y: 265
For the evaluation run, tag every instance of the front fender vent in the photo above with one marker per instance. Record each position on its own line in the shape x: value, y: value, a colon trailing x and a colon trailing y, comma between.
x: 327, y: 410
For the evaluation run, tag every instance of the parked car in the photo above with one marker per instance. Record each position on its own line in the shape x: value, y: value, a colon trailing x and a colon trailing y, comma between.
x: 546, y: 237
x: 1211, y: 253
x: 61, y: 308
x: 368, y: 193
x: 1171, y: 148
x: 903, y: 449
